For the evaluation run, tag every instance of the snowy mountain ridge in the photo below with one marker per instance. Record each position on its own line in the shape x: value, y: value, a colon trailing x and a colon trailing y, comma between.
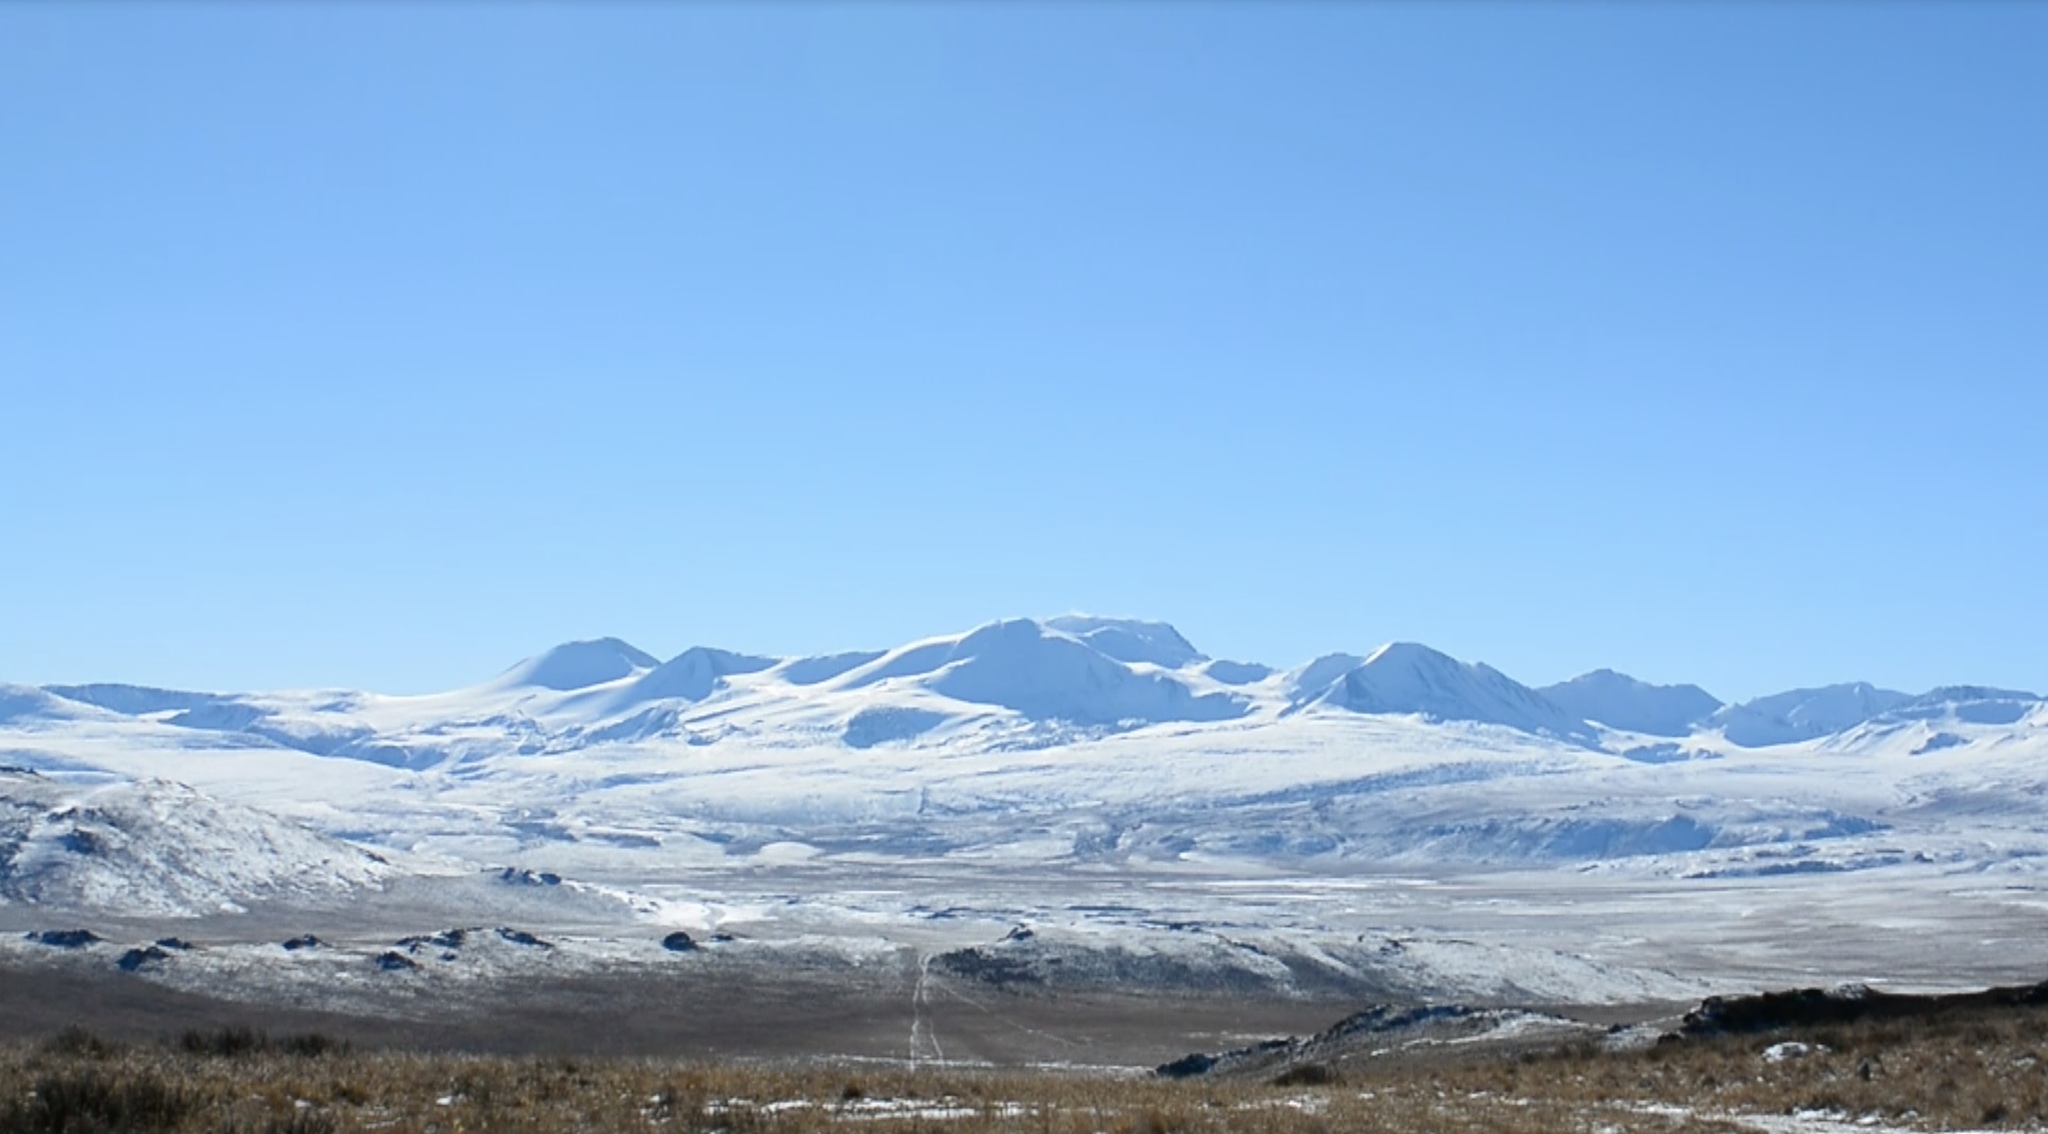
x: 1620, y: 701
x: 1075, y: 672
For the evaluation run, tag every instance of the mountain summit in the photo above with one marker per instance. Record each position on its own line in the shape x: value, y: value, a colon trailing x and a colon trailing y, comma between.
x: 1406, y: 677
x: 1803, y: 714
x: 1129, y: 640
x: 1046, y: 673
x: 1620, y: 701
x: 580, y: 665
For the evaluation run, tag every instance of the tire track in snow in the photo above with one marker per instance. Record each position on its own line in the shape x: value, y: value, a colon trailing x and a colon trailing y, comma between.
x: 923, y: 1034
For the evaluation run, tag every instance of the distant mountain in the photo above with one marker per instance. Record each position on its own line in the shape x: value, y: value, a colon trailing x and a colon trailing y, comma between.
x: 1311, y: 681
x: 1404, y: 677
x: 814, y: 670
x: 1236, y: 672
x: 1073, y: 739
x: 1967, y: 704
x: 134, y: 699
x: 1076, y: 668
x: 580, y: 665
x: 1620, y: 701
x: 1804, y: 714
x: 1950, y: 717
x: 692, y: 675
x: 1048, y: 674
x: 1129, y: 640
x: 25, y: 704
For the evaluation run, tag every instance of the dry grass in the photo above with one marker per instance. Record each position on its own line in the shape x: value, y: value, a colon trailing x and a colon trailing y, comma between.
x: 1984, y: 1070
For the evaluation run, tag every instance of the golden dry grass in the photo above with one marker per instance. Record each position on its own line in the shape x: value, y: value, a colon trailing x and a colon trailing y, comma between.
x: 1979, y: 1071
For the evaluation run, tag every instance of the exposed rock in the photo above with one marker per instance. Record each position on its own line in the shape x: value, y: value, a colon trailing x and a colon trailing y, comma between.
x: 446, y: 939
x: 66, y: 938
x: 135, y: 960
x: 1374, y: 1032
x: 1190, y: 1065
x: 1769, y: 1011
x: 518, y: 877
x: 989, y: 967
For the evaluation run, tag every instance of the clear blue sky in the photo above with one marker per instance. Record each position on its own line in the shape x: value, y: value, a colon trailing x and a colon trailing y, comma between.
x: 381, y: 345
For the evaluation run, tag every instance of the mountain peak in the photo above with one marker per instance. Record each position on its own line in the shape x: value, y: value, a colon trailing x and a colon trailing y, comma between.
x: 580, y: 665
x: 1315, y: 678
x: 1408, y: 655
x: 1408, y: 677
x: 1049, y: 672
x: 1620, y: 701
x: 693, y: 675
x: 1802, y: 714
x: 1130, y: 640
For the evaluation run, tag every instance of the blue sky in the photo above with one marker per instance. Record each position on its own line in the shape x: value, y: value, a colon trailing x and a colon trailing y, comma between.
x: 382, y: 345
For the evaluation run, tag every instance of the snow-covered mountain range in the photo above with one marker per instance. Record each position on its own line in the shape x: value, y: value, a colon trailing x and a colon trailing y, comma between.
x: 1065, y: 748
x: 1040, y: 681
x: 1074, y: 736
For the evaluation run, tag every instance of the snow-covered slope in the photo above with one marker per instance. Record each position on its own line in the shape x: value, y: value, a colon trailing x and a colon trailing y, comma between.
x: 1803, y: 714
x: 1404, y: 677
x: 580, y: 665
x: 25, y: 706
x: 692, y: 675
x: 1236, y: 672
x: 163, y: 849
x: 1620, y: 701
x: 1044, y: 673
x: 1130, y: 640
x: 132, y: 700
x: 1966, y: 704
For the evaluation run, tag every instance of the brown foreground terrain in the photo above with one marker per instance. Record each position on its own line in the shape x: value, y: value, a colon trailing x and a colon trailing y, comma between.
x: 633, y: 1014
x: 1965, y: 1064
